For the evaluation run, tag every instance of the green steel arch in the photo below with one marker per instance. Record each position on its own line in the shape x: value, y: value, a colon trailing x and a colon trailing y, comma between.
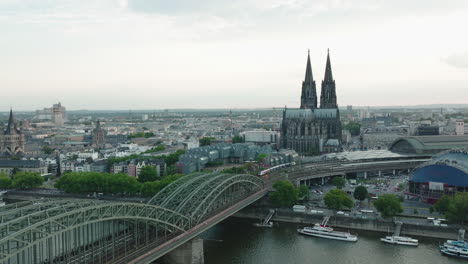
x: 31, y: 230
x: 248, y: 183
x: 27, y: 226
x: 46, y: 207
x: 196, y: 195
x: 167, y: 193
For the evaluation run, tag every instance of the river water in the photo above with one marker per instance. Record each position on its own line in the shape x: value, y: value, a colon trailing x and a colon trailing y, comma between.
x: 238, y: 242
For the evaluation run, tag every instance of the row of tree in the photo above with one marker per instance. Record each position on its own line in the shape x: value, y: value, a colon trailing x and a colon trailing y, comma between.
x: 286, y: 195
x: 141, y: 134
x: 21, y: 180
x: 120, y: 184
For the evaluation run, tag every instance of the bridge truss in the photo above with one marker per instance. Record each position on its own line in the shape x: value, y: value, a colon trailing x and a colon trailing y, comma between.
x: 93, y: 231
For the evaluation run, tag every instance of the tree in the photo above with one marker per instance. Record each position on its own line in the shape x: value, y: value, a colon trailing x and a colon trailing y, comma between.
x: 236, y: 170
x: 172, y: 158
x: 454, y: 208
x: 337, y: 199
x: 260, y: 157
x: 171, y: 169
x: 237, y: 139
x: 149, y: 189
x: 303, y: 192
x: 388, y: 205
x: 205, y: 141
x: 339, y: 182
x: 47, y: 150
x: 148, y: 174
x: 354, y: 128
x: 5, y: 181
x: 442, y: 205
x: 360, y: 193
x: 27, y: 180
x: 141, y: 134
x: 284, y: 195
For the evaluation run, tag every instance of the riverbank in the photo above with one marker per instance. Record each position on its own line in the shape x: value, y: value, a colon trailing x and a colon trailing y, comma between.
x: 238, y: 241
x: 343, y: 222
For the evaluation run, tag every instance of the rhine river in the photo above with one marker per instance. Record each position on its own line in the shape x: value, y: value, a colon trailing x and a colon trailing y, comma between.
x: 238, y: 242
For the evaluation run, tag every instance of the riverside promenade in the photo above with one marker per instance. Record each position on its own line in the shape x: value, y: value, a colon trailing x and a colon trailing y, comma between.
x: 420, y: 228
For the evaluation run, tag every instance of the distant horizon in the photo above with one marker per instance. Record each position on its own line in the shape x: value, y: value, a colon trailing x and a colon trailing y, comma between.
x: 434, y: 106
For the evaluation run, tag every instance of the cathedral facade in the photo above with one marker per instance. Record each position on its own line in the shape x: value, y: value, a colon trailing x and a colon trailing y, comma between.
x: 313, y: 129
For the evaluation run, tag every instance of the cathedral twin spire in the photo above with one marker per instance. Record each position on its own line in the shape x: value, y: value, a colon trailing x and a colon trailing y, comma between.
x: 309, y: 94
x: 328, y: 92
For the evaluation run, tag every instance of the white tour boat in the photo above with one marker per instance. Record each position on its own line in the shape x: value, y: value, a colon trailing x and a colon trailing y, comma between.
x: 454, y: 248
x: 324, y: 231
x: 399, y: 240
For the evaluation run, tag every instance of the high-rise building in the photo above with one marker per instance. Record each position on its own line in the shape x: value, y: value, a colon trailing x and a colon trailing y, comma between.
x: 12, y: 139
x: 57, y: 113
x: 460, y: 127
x: 310, y: 130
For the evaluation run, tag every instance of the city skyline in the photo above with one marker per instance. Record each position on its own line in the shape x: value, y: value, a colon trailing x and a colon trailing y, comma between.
x: 134, y: 54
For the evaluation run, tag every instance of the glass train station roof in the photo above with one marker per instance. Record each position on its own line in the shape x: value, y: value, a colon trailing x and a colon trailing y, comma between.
x: 368, y: 155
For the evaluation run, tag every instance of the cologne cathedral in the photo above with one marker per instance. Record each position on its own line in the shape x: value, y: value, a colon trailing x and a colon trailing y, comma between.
x: 313, y: 129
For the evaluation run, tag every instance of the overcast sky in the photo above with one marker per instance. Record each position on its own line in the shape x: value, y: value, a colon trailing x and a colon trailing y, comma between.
x: 156, y: 54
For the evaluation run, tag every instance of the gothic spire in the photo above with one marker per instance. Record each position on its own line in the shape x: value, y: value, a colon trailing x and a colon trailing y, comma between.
x: 309, y: 94
x: 308, y: 74
x: 328, y: 70
x: 11, y: 124
x: 328, y: 94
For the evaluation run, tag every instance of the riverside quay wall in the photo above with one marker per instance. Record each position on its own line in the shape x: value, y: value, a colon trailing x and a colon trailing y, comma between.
x: 343, y: 222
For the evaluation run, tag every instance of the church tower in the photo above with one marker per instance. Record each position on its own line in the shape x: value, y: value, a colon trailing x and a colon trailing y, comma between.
x: 99, y: 136
x: 12, y: 140
x: 328, y: 93
x: 309, y: 94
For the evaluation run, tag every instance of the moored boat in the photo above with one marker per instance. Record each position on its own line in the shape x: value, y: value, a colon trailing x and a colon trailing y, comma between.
x: 453, y: 248
x: 324, y: 231
x: 269, y: 224
x: 400, y: 240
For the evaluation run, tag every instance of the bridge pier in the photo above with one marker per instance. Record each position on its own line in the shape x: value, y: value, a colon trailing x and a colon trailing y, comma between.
x: 189, y: 253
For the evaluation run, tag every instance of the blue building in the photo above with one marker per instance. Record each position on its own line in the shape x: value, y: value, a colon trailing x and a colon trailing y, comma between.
x: 446, y: 173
